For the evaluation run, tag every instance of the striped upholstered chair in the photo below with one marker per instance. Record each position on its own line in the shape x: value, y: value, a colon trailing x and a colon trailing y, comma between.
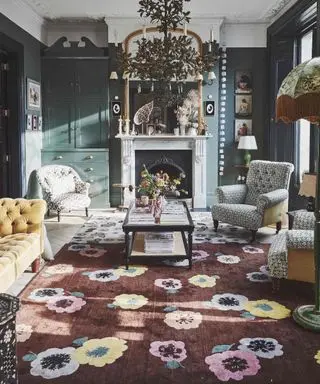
x: 259, y: 202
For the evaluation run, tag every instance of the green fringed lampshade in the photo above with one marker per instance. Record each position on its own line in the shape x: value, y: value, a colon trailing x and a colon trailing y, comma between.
x: 299, y: 94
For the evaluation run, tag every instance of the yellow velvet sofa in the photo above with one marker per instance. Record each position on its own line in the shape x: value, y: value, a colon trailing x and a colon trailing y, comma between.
x: 21, y: 237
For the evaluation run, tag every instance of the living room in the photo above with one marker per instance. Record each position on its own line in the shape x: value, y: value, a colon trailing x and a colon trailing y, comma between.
x: 112, y: 151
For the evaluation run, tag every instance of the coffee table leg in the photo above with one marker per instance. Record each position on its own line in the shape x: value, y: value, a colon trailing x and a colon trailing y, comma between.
x: 190, y: 249
x: 127, y: 243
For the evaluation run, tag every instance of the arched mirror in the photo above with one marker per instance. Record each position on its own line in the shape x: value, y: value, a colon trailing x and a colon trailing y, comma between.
x: 156, y: 116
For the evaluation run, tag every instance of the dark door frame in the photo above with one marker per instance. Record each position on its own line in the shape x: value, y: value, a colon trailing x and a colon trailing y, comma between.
x: 16, y: 121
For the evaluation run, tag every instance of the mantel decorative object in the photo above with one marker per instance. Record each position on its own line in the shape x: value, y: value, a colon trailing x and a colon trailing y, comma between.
x: 170, y: 57
x: 299, y: 98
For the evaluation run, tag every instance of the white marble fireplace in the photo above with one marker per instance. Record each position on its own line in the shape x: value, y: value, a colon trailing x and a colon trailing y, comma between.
x: 195, y: 144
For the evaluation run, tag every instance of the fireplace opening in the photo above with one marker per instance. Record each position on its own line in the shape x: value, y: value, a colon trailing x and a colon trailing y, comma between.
x: 174, y: 163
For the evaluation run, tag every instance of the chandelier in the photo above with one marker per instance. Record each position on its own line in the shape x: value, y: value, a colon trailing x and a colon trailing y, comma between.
x: 170, y: 58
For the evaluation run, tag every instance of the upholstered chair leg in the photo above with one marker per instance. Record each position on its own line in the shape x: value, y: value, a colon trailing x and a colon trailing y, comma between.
x: 87, y: 212
x: 35, y: 266
x: 275, y: 284
x: 253, y: 238
x: 278, y: 227
x: 215, y: 224
x: 58, y: 216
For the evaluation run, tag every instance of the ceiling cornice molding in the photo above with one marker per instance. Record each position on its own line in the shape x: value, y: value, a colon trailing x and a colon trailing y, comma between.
x: 25, y: 17
x: 274, y: 12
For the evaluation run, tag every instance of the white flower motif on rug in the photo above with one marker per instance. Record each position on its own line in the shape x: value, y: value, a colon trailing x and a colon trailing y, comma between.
x: 267, y: 347
x: 228, y: 259
x: 250, y: 249
x: 258, y: 277
x: 54, y: 362
x: 168, y: 284
x: 226, y: 302
x: 104, y: 275
x: 183, y: 319
x: 44, y: 294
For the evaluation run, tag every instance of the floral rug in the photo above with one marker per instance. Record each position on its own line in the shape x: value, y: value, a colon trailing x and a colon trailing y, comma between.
x: 86, y: 319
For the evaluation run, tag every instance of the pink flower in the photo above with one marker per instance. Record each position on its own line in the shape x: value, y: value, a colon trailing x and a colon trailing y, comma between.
x: 168, y: 350
x: 233, y: 365
x: 68, y: 304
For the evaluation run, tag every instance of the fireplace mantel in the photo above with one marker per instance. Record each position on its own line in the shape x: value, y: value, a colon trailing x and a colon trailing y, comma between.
x: 196, y: 144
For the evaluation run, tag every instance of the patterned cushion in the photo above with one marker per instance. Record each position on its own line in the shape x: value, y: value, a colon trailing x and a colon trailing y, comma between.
x: 303, y: 219
x: 278, y: 257
x: 70, y: 201
x: 300, y: 238
x: 266, y: 176
x: 243, y: 215
x: 234, y: 194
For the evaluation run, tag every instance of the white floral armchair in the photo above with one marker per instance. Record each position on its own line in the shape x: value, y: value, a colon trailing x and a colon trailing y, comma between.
x: 259, y: 202
x: 62, y: 189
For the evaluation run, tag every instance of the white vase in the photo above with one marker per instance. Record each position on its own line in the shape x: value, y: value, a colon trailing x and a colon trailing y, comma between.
x: 182, y: 130
x: 192, y: 131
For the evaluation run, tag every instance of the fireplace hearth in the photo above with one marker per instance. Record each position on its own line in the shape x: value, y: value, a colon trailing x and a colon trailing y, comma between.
x: 174, y: 163
x: 192, y: 159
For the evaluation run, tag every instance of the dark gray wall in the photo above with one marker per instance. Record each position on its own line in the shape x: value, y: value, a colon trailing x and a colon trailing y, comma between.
x: 254, y: 60
x: 27, y: 48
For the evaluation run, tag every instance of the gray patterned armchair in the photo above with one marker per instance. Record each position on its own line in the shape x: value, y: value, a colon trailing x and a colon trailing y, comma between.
x: 259, y: 202
x: 62, y: 189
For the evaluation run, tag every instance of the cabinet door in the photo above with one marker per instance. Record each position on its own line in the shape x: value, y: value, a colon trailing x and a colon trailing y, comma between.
x: 92, y: 125
x: 58, y: 79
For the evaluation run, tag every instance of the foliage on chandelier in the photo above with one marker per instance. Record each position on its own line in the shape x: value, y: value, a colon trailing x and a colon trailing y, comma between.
x: 170, y: 57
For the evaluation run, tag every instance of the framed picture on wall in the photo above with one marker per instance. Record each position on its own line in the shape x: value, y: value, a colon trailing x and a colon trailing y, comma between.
x: 243, y: 81
x: 33, y: 96
x: 243, y: 105
x: 242, y: 127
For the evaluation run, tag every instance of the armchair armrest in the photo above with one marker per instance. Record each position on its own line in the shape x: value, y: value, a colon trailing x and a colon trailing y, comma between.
x: 232, y: 194
x: 300, y: 238
x: 270, y: 199
x: 82, y: 187
x: 303, y: 219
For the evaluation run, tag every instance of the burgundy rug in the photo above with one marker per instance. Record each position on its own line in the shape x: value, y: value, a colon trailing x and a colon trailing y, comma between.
x: 85, y: 319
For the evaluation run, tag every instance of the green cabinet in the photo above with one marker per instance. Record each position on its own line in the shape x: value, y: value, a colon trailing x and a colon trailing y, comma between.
x: 76, y: 120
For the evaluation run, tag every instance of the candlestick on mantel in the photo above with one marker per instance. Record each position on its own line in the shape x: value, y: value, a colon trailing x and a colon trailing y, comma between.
x: 185, y: 31
x: 211, y: 35
x: 144, y: 32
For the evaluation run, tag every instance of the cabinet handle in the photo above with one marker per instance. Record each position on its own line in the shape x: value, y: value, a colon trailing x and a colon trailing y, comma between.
x: 89, y: 170
x: 89, y: 157
x: 58, y: 157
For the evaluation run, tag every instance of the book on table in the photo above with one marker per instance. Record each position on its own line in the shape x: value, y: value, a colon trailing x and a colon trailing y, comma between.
x: 158, y: 242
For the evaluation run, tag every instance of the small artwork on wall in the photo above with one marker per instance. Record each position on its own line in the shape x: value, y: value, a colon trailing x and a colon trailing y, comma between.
x: 243, y: 127
x: 243, y: 105
x: 243, y: 81
x: 33, y: 95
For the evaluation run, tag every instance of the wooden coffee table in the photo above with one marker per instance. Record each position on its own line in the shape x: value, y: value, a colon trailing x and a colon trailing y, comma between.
x: 136, y: 225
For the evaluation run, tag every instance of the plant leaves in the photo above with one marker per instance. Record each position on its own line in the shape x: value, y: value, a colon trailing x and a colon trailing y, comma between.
x: 221, y: 348
x: 173, y: 364
x: 170, y: 309
x: 29, y: 357
x: 80, y: 341
x: 77, y: 294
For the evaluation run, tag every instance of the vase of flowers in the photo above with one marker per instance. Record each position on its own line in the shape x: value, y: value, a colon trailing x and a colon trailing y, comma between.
x: 159, y: 184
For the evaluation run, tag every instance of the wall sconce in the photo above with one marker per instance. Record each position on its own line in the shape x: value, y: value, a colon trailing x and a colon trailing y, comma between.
x: 113, y: 75
x: 211, y: 77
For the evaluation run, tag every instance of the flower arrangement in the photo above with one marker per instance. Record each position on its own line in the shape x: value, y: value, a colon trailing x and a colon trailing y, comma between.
x: 187, y: 113
x: 154, y: 185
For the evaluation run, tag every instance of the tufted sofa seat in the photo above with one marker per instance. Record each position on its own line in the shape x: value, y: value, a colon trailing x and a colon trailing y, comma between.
x: 21, y: 237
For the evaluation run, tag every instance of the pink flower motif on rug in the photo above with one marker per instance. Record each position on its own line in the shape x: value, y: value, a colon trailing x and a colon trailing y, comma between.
x: 168, y: 350
x: 250, y: 249
x: 233, y: 365
x: 67, y: 304
x: 92, y: 252
x: 198, y: 254
x: 23, y: 332
x: 183, y: 319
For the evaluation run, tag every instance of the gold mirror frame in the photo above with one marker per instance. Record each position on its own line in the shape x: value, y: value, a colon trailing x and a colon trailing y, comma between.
x: 127, y: 80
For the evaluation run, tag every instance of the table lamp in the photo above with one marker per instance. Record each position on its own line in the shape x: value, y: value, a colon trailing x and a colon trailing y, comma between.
x: 248, y: 143
x: 308, y: 189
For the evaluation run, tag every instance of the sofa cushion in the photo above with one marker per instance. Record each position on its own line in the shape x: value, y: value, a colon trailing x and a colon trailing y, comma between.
x: 71, y: 201
x: 17, y: 252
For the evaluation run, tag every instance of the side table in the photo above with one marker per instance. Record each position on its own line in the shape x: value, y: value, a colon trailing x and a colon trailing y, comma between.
x: 242, y: 172
x: 9, y: 306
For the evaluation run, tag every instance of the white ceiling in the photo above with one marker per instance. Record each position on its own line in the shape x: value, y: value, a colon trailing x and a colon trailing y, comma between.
x: 255, y: 11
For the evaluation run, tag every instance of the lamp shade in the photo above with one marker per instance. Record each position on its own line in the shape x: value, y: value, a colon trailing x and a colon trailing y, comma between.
x: 211, y: 75
x: 247, y: 142
x: 113, y: 75
x: 308, y: 185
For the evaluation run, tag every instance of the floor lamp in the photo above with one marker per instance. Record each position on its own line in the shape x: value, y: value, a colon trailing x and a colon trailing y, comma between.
x: 299, y: 98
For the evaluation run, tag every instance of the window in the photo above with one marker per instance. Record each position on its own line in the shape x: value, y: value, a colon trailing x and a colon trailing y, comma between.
x: 304, y: 125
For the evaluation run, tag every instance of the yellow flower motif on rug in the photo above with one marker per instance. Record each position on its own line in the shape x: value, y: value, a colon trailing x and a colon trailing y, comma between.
x: 131, y: 271
x: 99, y: 352
x: 130, y: 301
x: 317, y: 357
x: 266, y: 308
x: 203, y: 281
